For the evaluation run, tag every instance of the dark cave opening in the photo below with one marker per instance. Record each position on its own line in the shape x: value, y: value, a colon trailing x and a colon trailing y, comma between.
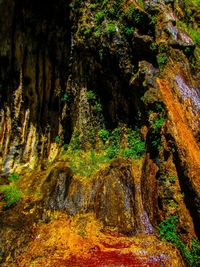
x: 121, y: 101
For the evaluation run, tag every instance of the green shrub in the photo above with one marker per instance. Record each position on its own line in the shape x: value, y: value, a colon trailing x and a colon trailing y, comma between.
x: 13, y: 177
x: 193, y: 33
x: 131, y: 11
x: 158, y: 123
x: 86, y: 166
x: 128, y: 30
x: 65, y: 146
x: 161, y: 59
x: 172, y: 179
x: 153, y: 46
x: 111, y: 28
x: 87, y: 32
x: 97, y: 108
x: 97, y: 32
x: 57, y: 139
x: 65, y: 97
x: 91, y: 136
x: 99, y: 16
x: 141, y: 4
x: 168, y: 232
x: 115, y: 137
x: 112, y: 152
x: 75, y: 141
x: 103, y: 134
x: 11, y: 194
x: 91, y: 95
x: 82, y: 233
x: 136, y: 146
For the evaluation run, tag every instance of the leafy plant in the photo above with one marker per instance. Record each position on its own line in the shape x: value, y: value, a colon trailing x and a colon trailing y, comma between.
x: 13, y: 177
x: 131, y: 10
x: 136, y: 146
x: 91, y: 136
x: 11, y: 194
x: 82, y: 232
x: 87, y: 32
x: 65, y: 97
x: 99, y: 16
x: 112, y: 152
x: 91, y: 95
x: 168, y: 232
x: 97, y: 107
x: 65, y: 146
x: 85, y: 165
x: 161, y: 59
x: 141, y: 4
x: 75, y: 141
x: 128, y: 30
x: 172, y: 179
x: 103, y: 134
x: 193, y: 33
x: 115, y: 137
x: 153, y: 46
x: 111, y: 28
x: 57, y: 139
x: 158, y: 123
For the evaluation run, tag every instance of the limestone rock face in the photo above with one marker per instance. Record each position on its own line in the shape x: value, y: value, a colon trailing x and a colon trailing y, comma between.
x: 114, y: 199
x: 113, y: 194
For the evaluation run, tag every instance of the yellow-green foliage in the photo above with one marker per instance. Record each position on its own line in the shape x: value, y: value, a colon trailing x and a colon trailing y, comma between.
x: 11, y: 194
x: 168, y: 231
x: 85, y: 163
x: 109, y: 17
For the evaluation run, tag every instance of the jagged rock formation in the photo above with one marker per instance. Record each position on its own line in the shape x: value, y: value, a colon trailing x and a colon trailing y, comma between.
x: 69, y: 70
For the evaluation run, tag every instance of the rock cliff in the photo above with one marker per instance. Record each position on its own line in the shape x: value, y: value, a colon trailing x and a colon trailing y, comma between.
x: 99, y: 132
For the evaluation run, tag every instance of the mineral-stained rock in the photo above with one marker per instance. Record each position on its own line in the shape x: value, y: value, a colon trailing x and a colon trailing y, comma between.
x: 70, y: 69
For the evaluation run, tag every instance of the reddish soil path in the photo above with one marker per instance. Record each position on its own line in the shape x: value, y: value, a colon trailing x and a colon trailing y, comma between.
x: 110, y: 259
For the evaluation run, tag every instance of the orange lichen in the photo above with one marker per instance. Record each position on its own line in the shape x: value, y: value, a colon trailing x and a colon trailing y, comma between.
x: 188, y: 146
